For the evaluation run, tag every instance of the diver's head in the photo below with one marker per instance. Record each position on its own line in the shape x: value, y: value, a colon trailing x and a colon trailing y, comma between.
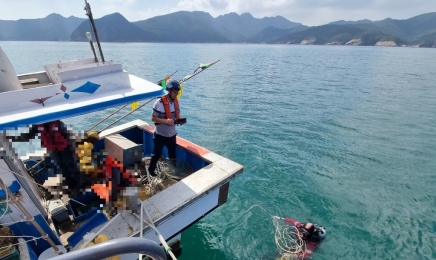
x: 322, y: 232
x: 309, y: 227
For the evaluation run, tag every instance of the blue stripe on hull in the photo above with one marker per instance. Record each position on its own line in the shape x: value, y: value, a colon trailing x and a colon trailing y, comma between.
x: 77, y: 111
x: 27, y: 229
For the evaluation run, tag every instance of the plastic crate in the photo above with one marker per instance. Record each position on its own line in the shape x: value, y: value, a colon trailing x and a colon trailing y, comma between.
x: 82, y: 212
x: 58, y: 211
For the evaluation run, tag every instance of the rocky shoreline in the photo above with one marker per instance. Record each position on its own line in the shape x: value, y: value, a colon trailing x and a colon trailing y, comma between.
x: 357, y: 42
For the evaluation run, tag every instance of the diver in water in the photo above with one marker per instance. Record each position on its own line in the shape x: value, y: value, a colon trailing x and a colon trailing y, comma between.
x: 307, y: 231
x: 310, y: 233
x: 312, y: 237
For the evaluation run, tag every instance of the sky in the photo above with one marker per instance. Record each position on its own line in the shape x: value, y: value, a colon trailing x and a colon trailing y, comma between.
x: 307, y: 12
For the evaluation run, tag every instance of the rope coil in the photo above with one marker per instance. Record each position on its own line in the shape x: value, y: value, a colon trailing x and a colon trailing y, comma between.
x: 288, y: 241
x: 168, y: 172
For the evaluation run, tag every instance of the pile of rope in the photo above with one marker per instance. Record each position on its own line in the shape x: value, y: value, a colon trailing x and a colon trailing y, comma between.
x: 288, y: 241
x: 168, y: 172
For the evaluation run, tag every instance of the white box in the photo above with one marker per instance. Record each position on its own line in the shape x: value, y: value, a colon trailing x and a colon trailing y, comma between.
x: 123, y: 150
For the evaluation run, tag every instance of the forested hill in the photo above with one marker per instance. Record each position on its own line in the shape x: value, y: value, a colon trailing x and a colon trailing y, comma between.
x: 115, y: 28
x: 419, y: 31
x: 51, y: 28
x: 201, y: 27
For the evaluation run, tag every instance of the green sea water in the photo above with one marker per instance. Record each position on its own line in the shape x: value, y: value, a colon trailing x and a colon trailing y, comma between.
x: 338, y: 135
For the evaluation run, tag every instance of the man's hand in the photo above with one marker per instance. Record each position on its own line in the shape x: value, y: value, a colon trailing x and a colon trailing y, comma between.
x: 169, y: 122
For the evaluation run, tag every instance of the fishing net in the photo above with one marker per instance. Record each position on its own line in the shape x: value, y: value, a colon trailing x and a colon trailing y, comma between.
x: 289, y: 243
x: 167, y: 173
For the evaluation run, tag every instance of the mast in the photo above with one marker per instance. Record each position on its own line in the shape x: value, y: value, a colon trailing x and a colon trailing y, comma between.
x: 91, y: 19
x: 89, y: 36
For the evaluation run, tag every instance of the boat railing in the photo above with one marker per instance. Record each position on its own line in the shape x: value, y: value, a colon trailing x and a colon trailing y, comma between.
x: 119, y: 246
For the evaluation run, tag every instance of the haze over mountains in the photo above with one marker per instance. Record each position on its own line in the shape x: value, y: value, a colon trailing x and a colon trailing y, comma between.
x: 201, y: 27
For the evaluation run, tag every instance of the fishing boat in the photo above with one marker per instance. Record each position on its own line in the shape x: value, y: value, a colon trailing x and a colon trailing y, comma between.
x: 66, y: 227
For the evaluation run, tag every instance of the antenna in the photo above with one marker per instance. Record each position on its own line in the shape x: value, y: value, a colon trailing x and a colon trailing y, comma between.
x: 89, y: 36
x: 91, y: 19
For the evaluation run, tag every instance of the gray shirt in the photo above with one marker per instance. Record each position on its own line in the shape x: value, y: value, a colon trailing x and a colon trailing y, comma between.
x: 159, y: 111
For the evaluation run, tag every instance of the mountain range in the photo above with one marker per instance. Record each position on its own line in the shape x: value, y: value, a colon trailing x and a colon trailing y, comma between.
x: 51, y: 28
x: 201, y: 27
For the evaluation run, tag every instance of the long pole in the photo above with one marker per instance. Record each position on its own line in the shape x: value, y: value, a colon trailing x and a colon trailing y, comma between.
x: 116, y: 121
x: 116, y: 111
x: 180, y: 81
x: 29, y: 217
x: 91, y: 19
x: 106, y: 117
x: 196, y: 73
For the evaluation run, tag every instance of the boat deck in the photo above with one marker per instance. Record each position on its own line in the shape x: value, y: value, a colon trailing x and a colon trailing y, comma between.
x: 174, y: 208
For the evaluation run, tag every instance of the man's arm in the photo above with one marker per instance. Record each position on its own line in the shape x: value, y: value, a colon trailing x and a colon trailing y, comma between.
x: 158, y: 109
x: 25, y: 137
x: 159, y: 120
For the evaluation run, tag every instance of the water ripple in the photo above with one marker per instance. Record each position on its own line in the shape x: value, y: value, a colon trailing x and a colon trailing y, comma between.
x: 341, y: 136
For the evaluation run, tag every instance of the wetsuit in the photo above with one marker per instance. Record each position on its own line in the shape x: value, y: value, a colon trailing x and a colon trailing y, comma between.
x: 311, y: 239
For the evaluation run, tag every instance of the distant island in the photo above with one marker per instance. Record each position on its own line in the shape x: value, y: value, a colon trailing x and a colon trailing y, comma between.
x: 201, y: 27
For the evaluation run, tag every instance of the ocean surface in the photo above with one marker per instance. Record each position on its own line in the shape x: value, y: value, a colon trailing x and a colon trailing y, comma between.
x: 341, y: 136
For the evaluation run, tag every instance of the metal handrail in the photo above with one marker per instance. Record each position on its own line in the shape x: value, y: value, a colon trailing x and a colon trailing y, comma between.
x: 119, y: 246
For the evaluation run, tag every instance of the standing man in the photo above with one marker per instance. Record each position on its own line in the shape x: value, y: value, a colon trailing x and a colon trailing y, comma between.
x: 165, y: 115
x: 61, y: 148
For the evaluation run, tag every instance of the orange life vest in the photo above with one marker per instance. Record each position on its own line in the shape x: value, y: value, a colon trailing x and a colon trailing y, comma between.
x: 104, y: 190
x: 110, y: 162
x: 166, y: 104
x: 52, y: 138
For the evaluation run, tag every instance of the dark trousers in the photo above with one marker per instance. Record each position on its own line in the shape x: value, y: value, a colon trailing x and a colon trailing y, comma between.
x: 67, y: 164
x: 159, y: 142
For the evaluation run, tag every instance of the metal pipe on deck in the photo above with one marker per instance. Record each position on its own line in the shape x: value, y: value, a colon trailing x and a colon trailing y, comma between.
x: 119, y: 246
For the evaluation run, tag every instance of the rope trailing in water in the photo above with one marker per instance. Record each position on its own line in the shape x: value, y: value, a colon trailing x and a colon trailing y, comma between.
x: 288, y: 241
